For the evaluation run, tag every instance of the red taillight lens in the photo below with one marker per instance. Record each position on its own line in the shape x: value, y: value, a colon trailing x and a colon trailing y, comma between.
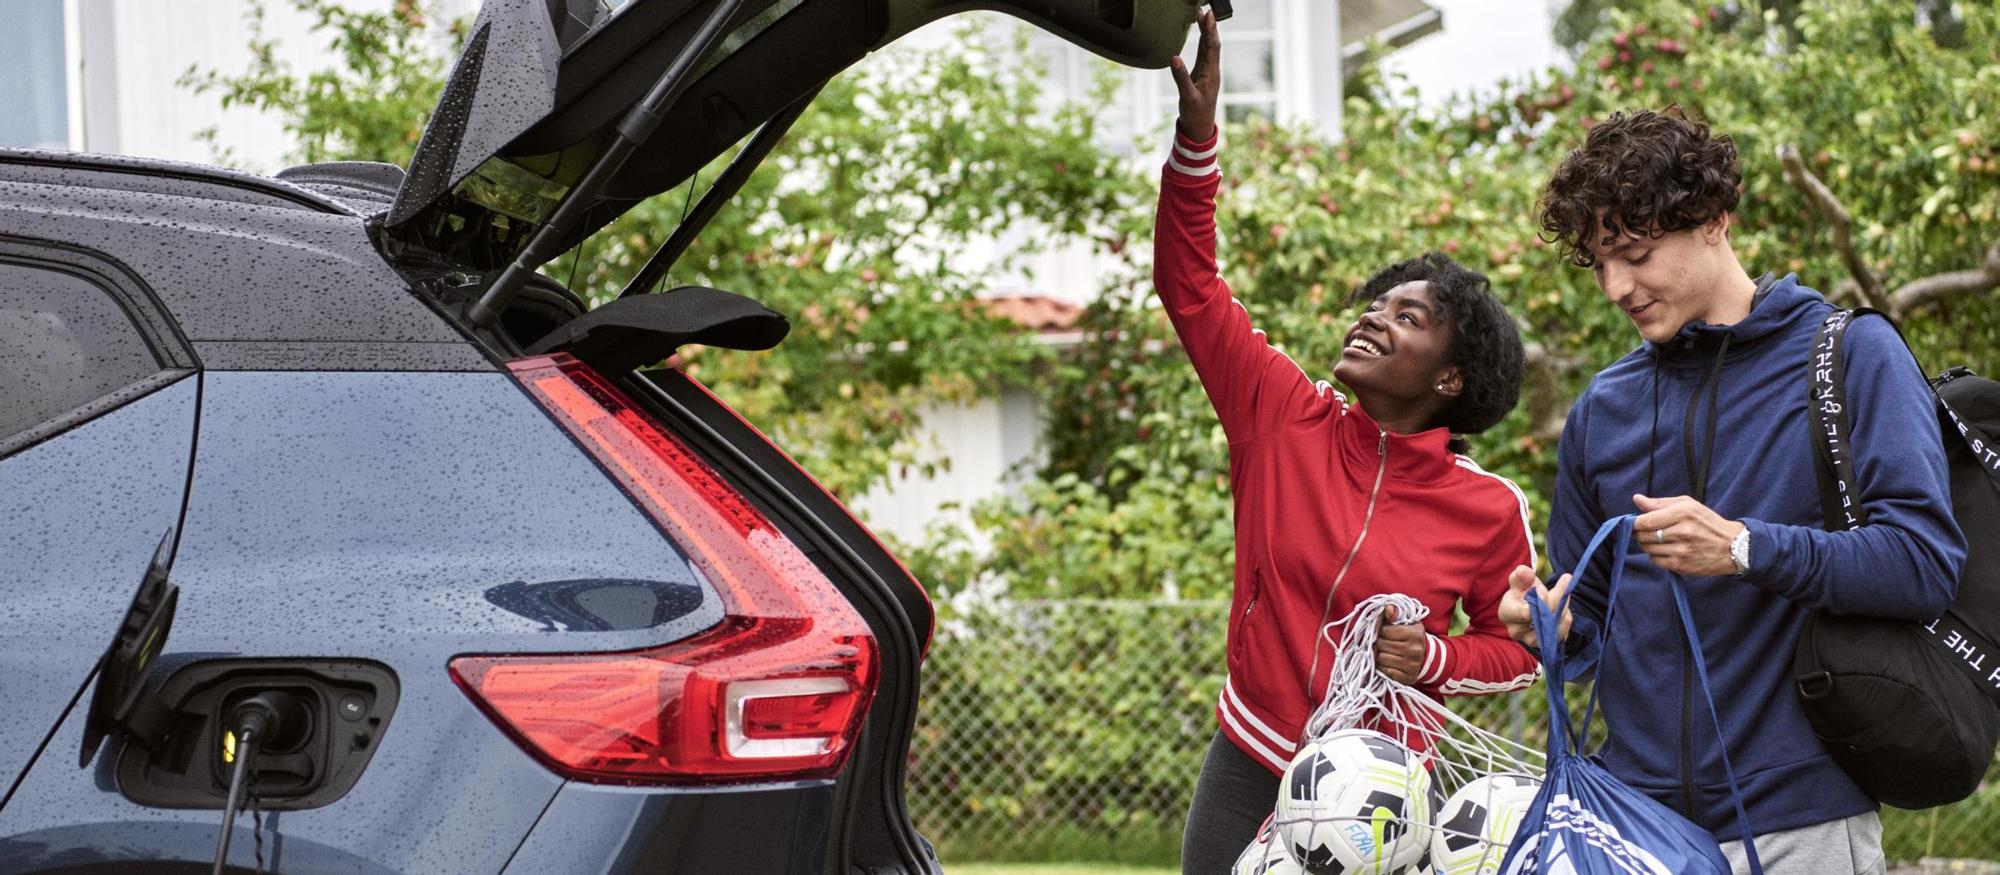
x: 776, y: 691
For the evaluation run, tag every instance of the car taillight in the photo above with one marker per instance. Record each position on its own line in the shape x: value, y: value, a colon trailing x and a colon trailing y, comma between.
x: 930, y: 629
x: 775, y: 691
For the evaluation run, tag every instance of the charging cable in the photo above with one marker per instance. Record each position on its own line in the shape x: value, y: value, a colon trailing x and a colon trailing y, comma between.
x: 254, y: 719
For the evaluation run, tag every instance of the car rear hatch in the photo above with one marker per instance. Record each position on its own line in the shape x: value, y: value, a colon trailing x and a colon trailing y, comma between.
x: 544, y: 89
x: 559, y: 116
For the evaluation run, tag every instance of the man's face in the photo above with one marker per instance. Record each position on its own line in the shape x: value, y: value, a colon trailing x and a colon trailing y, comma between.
x: 1662, y: 283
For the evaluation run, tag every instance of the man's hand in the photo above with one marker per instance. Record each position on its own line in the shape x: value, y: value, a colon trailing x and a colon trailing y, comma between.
x: 1682, y: 535
x: 1514, y: 605
x: 1199, y: 89
x: 1400, y: 648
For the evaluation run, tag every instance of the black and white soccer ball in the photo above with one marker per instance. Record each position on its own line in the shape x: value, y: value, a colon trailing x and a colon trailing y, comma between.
x: 1266, y: 856
x: 1355, y: 802
x: 1478, y: 822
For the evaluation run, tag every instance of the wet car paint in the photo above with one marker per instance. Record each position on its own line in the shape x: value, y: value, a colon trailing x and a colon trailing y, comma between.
x: 85, y: 511
x: 616, y: 830
x: 365, y: 514
x: 371, y: 515
x: 445, y: 794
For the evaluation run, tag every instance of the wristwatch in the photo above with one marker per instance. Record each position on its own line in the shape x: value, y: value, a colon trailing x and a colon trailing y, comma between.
x: 1739, y: 551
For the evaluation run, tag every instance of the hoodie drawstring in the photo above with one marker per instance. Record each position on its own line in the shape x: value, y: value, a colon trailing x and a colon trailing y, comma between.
x: 1698, y: 472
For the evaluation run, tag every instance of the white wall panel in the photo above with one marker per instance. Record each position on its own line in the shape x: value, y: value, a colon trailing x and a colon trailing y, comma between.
x: 983, y: 440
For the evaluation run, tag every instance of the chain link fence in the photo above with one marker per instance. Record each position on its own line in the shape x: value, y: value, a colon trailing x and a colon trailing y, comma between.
x: 1073, y: 731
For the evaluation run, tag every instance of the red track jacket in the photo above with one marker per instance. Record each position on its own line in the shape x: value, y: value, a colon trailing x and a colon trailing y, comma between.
x: 1325, y: 498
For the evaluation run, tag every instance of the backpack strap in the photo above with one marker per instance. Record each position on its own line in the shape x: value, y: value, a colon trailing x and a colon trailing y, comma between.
x: 1840, y: 497
x: 1984, y: 449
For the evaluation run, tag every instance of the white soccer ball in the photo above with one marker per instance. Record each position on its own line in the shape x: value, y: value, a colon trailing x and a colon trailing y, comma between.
x: 1355, y: 802
x: 1477, y: 823
x: 1264, y: 857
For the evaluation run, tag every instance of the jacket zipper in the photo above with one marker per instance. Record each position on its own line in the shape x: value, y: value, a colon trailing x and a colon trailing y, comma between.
x: 1243, y: 619
x: 1381, y: 468
x: 1374, y: 492
x: 1698, y: 487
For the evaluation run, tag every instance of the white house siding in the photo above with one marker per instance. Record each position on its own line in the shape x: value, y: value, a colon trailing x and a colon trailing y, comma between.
x: 992, y: 444
x: 130, y: 55
x: 1483, y: 42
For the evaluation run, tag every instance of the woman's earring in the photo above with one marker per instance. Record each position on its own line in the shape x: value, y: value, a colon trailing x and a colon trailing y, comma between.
x: 1440, y: 388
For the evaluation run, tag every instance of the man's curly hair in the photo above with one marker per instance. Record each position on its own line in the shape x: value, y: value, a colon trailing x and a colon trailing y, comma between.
x: 1645, y: 173
x: 1485, y: 345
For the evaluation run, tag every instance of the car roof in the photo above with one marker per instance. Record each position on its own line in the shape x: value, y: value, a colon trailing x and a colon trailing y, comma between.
x: 160, y: 176
x: 259, y: 273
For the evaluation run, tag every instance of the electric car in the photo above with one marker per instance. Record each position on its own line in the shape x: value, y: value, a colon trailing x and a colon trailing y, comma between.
x: 333, y: 538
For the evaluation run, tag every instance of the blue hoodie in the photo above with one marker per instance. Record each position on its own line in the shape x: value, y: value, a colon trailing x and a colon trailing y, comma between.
x: 1630, y: 432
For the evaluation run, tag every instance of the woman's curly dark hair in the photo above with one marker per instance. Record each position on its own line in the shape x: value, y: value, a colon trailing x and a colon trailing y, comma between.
x: 1648, y: 173
x: 1485, y: 345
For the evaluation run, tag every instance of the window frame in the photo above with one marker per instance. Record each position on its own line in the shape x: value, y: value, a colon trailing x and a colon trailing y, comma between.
x: 171, y: 350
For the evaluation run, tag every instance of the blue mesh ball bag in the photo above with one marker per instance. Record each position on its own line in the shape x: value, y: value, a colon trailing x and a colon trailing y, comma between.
x: 1584, y: 821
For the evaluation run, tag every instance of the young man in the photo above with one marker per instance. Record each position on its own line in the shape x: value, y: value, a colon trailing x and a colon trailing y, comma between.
x: 1702, y: 431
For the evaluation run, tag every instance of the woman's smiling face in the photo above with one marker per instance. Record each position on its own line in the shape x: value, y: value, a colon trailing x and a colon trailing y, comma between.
x: 1399, y: 348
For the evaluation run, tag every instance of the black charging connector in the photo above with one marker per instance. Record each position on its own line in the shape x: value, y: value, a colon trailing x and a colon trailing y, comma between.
x: 272, y: 719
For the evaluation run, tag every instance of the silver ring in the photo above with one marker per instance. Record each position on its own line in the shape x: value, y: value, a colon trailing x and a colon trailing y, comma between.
x: 1659, y: 536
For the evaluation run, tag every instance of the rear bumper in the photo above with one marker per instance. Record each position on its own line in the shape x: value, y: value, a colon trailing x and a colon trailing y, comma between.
x: 597, y: 830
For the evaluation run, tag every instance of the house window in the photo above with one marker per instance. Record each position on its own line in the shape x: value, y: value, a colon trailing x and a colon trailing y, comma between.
x: 1249, y: 63
x: 1271, y: 51
x: 1249, y: 66
x: 34, y: 107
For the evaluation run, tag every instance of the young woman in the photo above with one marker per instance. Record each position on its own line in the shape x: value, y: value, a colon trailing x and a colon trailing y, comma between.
x: 1337, y: 501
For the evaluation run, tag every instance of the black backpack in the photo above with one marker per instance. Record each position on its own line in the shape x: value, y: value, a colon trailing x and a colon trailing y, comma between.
x: 1910, y: 710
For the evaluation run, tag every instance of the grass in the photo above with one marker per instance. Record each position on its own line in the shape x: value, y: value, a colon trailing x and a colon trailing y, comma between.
x: 1052, y: 869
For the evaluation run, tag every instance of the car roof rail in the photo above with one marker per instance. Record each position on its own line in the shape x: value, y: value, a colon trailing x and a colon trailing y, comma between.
x: 156, y: 176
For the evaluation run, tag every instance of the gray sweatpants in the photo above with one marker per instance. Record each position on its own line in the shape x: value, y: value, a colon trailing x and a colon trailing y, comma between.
x: 1852, y: 846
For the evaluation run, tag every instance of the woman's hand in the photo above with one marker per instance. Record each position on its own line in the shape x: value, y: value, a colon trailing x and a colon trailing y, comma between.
x: 1400, y: 648
x: 1200, y: 88
x: 1514, y: 605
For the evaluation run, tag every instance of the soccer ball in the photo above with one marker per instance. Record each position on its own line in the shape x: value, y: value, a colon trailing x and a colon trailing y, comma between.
x: 1263, y: 857
x: 1424, y: 866
x: 1427, y: 864
x: 1355, y: 802
x: 1477, y: 823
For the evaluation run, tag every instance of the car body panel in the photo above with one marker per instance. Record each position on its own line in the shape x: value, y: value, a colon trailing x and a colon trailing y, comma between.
x: 590, y: 830
x: 287, y: 518
x: 235, y: 273
x: 376, y: 515
x: 85, y: 511
x: 445, y: 793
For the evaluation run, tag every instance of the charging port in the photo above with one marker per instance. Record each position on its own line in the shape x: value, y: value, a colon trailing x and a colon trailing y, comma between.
x: 325, y: 717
